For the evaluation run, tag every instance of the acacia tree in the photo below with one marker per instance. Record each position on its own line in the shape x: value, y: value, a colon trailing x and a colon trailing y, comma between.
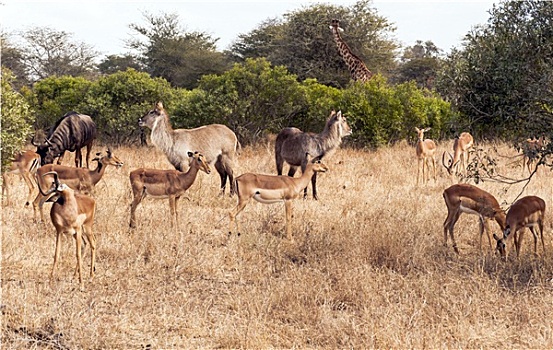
x: 502, y: 79
x: 419, y: 63
x: 303, y: 43
x: 170, y: 52
x: 47, y: 52
x: 12, y: 59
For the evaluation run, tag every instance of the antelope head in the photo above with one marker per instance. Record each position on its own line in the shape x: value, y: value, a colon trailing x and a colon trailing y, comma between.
x: 150, y: 118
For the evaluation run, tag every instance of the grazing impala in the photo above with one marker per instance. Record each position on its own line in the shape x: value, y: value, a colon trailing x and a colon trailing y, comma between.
x: 165, y: 184
x: 526, y: 212
x: 466, y: 198
x: 425, y: 154
x: 72, y: 214
x: 268, y: 189
x: 79, y: 179
x: 25, y: 164
x: 460, y: 158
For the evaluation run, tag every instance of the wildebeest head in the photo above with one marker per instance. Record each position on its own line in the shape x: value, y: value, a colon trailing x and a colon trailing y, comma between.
x: 150, y: 118
x: 40, y: 140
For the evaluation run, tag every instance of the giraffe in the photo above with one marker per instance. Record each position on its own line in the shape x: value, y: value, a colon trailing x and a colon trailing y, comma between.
x: 357, y: 68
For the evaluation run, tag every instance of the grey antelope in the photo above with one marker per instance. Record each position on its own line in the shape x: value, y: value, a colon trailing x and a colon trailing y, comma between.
x: 73, y: 214
x: 216, y: 142
x: 292, y: 144
x: 165, y: 184
x: 79, y: 179
x: 268, y: 189
x: 25, y: 164
x: 425, y: 149
x: 526, y: 212
x: 469, y: 199
x: 458, y: 162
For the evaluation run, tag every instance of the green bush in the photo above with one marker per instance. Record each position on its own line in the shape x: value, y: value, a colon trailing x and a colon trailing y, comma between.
x: 53, y: 97
x: 380, y: 114
x: 17, y: 120
x: 251, y: 98
x: 118, y: 100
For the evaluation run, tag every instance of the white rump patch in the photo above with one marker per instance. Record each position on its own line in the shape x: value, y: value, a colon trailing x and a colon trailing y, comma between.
x: 268, y: 196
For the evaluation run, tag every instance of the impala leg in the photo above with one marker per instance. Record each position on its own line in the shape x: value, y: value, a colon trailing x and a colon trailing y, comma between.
x: 488, y: 232
x: 172, y: 210
x: 519, y: 234
x: 433, y: 162
x: 314, y: 186
x: 56, y: 254
x: 535, y: 234
x: 177, y: 211
x: 87, y: 228
x: 449, y: 225
x: 419, y: 163
x: 540, y: 225
x: 138, y: 197
x: 288, y: 209
x: 30, y: 186
x: 78, y: 238
x: 481, y: 228
x: 232, y: 215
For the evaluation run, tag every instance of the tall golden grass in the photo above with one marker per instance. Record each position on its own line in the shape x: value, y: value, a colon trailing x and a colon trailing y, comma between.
x: 368, y: 268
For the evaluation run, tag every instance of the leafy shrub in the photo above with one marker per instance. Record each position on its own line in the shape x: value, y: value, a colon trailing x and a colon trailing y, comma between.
x: 16, y: 119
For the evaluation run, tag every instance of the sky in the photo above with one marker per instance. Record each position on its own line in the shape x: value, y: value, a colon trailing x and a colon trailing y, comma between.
x: 105, y: 24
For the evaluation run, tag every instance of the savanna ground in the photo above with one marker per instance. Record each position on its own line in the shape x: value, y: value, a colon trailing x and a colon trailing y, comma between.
x: 368, y: 268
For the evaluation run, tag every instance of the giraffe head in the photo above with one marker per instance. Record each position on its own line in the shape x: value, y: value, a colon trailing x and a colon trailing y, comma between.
x: 335, y: 24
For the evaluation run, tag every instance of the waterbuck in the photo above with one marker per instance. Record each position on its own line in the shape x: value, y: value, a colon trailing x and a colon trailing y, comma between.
x: 71, y: 133
x: 216, y: 142
x: 292, y: 144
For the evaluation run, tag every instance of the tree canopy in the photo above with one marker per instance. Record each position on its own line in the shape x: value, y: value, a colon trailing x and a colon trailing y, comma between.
x: 180, y: 57
x: 501, y: 79
x: 303, y: 43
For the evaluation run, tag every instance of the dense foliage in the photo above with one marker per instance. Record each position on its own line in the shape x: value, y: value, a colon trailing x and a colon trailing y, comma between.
x: 303, y: 42
x: 17, y: 120
x: 502, y: 79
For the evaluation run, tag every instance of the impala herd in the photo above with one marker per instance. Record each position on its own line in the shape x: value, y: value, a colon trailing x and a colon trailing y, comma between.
x: 73, y: 209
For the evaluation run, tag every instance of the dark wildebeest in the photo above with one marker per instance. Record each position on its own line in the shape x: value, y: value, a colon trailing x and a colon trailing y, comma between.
x: 216, y: 142
x: 71, y: 133
x: 292, y: 144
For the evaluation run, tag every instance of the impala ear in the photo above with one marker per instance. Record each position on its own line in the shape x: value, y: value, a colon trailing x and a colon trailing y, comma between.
x: 159, y: 105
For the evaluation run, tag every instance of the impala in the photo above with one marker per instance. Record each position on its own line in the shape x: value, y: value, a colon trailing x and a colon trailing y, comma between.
x: 526, y: 212
x: 79, y: 179
x: 165, y: 184
x: 530, y: 150
x: 460, y: 158
x: 426, y: 149
x: 72, y: 214
x: 268, y: 189
x: 466, y: 198
x: 25, y: 164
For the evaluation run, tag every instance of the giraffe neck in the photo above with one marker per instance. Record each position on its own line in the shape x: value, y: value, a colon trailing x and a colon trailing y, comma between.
x: 357, y: 68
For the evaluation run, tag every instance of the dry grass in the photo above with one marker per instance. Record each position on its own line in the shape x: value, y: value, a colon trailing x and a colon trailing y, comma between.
x: 368, y: 268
